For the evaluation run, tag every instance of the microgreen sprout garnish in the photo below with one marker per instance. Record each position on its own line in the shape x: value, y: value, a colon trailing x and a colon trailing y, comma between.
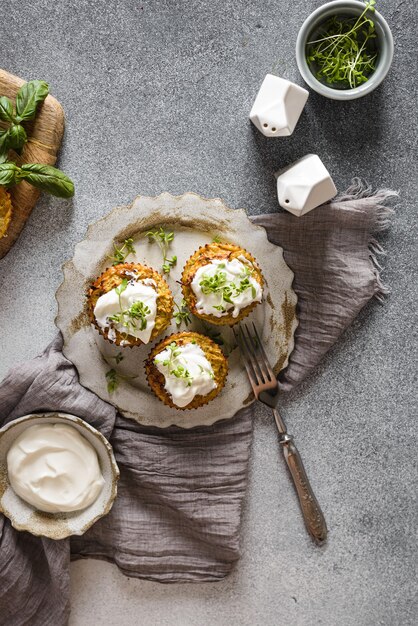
x: 175, y: 369
x: 216, y: 239
x: 244, y: 285
x: 344, y: 54
x: 112, y: 380
x: 128, y: 318
x: 121, y: 288
x: 163, y: 239
x: 174, y: 352
x: 213, y: 284
x: 182, y: 372
x: 119, y: 254
x: 182, y: 314
x: 217, y: 283
x: 168, y: 264
x: 118, y: 358
x: 213, y: 334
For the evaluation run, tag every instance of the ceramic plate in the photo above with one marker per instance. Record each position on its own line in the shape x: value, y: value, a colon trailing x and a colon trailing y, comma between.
x: 195, y: 222
x: 23, y: 516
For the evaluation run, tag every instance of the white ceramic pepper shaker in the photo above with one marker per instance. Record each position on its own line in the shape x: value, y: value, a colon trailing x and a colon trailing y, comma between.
x: 304, y: 185
x: 278, y: 106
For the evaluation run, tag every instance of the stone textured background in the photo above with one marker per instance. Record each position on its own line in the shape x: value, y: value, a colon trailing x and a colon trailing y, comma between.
x: 157, y: 95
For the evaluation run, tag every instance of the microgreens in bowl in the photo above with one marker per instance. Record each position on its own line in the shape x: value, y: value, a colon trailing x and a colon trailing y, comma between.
x: 343, y: 52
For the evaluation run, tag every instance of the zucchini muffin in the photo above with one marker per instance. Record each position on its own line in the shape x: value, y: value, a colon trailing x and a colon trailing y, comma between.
x: 130, y: 304
x: 5, y: 211
x: 222, y: 283
x: 186, y: 370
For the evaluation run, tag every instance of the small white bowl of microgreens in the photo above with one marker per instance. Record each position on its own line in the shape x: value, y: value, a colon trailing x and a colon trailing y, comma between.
x: 344, y: 49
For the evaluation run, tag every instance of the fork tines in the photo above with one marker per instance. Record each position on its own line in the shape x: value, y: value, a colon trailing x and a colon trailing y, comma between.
x: 255, y: 358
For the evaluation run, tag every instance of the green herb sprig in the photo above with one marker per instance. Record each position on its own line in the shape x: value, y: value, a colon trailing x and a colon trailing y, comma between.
x: 29, y: 96
x: 214, y: 334
x: 182, y: 372
x: 14, y: 137
x: 163, y: 239
x: 217, y: 283
x: 177, y: 370
x: 168, y: 264
x: 118, y: 357
x: 120, y: 289
x: 113, y: 379
x: 174, y: 353
x: 214, y: 283
x: 344, y: 56
x: 44, y: 177
x: 182, y: 314
x: 119, y: 254
x: 129, y: 318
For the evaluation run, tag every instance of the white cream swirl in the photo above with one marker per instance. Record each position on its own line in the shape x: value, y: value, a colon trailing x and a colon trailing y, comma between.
x: 54, y: 468
x: 187, y: 372
x: 224, y: 286
x: 133, y: 309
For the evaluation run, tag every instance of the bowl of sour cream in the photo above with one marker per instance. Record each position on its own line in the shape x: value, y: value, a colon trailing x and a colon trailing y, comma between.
x: 58, y: 474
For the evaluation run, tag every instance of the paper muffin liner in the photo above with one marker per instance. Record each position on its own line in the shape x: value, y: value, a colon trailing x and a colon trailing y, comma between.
x: 163, y: 290
x: 150, y: 370
x: 222, y: 248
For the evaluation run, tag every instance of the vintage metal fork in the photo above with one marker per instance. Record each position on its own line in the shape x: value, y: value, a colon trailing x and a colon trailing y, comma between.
x: 266, y: 390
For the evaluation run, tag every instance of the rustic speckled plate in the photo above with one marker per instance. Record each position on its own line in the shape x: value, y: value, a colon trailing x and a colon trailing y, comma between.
x: 195, y: 222
x: 23, y: 516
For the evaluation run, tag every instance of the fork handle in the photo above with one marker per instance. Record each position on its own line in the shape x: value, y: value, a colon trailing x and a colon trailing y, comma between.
x: 312, y: 514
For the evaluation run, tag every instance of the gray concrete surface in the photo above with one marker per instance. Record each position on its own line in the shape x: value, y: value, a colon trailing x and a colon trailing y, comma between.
x: 157, y: 95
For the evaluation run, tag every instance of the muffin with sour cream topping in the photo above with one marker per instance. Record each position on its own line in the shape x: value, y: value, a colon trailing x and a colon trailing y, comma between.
x: 130, y: 304
x: 186, y: 370
x: 222, y: 283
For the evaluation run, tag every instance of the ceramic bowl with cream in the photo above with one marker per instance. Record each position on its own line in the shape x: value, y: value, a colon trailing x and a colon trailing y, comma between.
x: 58, y: 474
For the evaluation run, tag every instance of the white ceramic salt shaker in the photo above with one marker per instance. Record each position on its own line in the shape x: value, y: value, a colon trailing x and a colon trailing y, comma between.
x: 304, y: 185
x: 278, y: 106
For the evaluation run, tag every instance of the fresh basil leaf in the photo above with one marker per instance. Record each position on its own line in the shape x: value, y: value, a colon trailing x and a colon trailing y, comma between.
x: 28, y: 97
x: 9, y: 174
x: 6, y: 109
x: 17, y: 137
x: 48, y: 179
x: 4, y: 143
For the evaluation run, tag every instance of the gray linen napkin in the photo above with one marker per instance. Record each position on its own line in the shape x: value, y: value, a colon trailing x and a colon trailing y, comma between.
x: 177, y: 514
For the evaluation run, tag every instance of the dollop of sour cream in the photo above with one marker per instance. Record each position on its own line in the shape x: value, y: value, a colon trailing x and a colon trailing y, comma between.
x: 54, y: 468
x: 120, y: 304
x: 187, y: 372
x: 224, y: 286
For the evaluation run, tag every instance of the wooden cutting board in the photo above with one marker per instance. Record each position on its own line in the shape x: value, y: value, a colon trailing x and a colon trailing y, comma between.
x: 45, y: 134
